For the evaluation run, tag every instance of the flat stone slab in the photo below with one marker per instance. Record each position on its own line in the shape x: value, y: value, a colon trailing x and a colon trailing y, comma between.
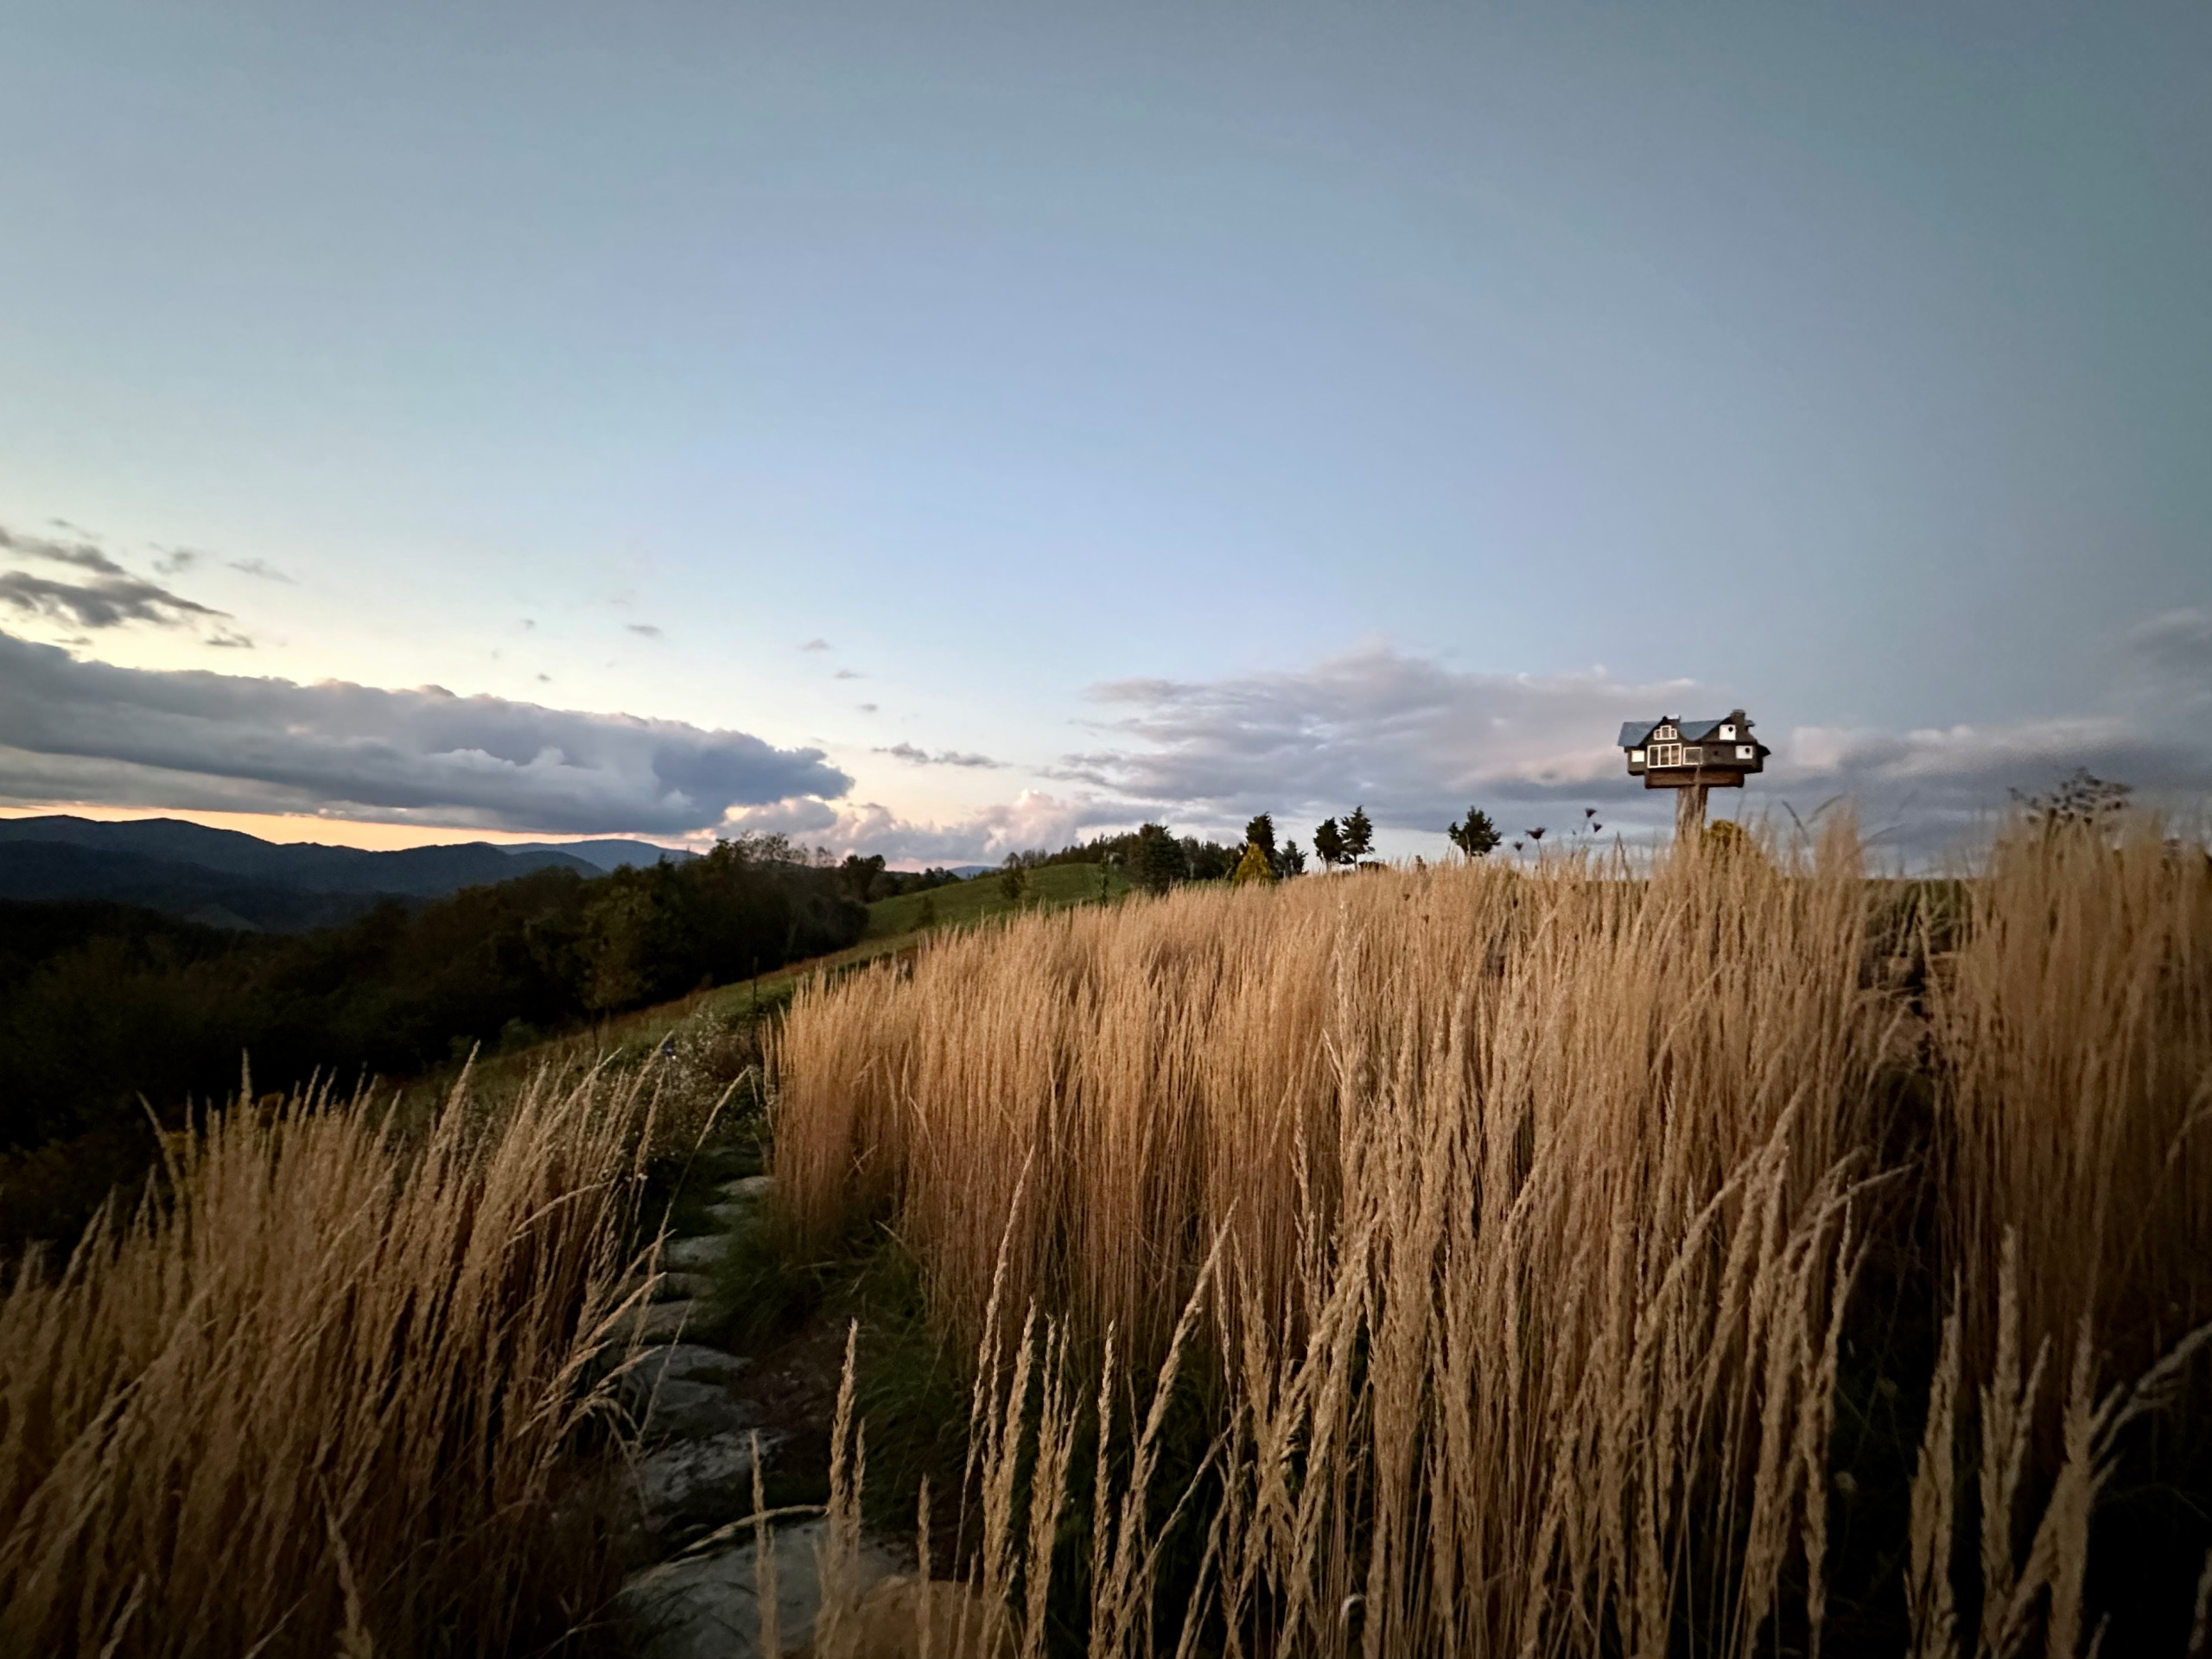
x: 708, y: 1607
x: 750, y: 1189
x: 699, y: 1483
x: 670, y: 1287
x: 688, y: 1362
x: 666, y: 1321
x: 733, y: 1215
x: 689, y: 1411
x: 689, y: 1255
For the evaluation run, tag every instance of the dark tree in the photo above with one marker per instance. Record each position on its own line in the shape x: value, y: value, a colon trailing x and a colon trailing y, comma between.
x: 1475, y: 835
x: 1156, y: 860
x: 1208, y: 861
x: 1014, y: 879
x: 1359, y: 835
x: 1261, y: 832
x: 1329, y: 842
x: 860, y: 874
x: 1293, y: 860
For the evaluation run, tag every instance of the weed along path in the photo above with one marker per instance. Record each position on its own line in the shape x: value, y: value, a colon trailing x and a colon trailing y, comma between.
x: 717, y: 1427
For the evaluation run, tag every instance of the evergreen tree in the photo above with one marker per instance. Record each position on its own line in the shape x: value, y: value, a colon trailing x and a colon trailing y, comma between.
x: 1156, y: 862
x: 1477, y: 836
x: 1261, y: 832
x: 1328, y: 842
x: 1359, y: 835
x: 1293, y: 862
x: 1255, y: 866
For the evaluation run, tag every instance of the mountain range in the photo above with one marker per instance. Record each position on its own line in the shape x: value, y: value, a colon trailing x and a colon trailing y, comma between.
x: 227, y: 878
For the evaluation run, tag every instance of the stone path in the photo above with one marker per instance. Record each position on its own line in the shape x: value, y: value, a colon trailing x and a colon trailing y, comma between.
x: 696, y: 1474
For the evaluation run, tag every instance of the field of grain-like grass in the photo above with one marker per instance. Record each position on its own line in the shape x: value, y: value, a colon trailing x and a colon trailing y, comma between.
x: 338, y: 1386
x: 1737, y: 1257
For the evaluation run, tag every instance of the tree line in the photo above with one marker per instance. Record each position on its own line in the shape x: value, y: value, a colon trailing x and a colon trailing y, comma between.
x: 1155, y: 859
x: 103, y: 1007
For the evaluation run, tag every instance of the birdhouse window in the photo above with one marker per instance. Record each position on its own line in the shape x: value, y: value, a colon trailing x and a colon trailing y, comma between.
x: 1728, y: 731
x: 1746, y: 752
x: 1666, y: 754
x: 1636, y: 756
x: 1665, y: 734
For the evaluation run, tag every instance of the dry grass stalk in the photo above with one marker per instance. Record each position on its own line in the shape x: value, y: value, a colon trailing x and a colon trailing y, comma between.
x: 2074, y: 1030
x: 1543, y: 1199
x: 1534, y: 1193
x: 326, y: 1394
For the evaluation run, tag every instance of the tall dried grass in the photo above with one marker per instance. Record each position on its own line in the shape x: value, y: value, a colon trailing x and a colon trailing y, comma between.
x: 1540, y: 1201
x: 331, y: 1390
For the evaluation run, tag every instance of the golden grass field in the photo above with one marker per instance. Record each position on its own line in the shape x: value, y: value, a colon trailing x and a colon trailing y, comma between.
x: 1548, y: 1216
x: 1465, y: 1261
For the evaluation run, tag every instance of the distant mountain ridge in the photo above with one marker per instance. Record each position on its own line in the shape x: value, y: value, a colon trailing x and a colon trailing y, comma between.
x: 227, y: 878
x: 607, y: 855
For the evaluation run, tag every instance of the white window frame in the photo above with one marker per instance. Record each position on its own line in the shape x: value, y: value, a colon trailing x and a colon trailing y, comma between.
x: 1747, y: 751
x: 1666, y: 754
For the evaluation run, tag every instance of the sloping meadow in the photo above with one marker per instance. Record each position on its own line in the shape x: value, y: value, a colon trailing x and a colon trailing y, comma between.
x: 1738, y: 1255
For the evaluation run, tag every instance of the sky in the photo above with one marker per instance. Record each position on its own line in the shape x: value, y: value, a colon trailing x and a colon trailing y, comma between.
x: 944, y: 430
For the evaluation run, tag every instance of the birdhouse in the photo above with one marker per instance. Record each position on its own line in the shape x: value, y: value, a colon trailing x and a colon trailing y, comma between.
x: 1693, y: 756
x: 1671, y: 753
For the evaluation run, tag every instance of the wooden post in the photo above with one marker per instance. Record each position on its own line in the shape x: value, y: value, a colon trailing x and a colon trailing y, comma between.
x: 1689, y: 813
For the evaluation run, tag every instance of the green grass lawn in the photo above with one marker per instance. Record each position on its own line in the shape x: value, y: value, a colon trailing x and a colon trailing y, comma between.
x: 1054, y: 887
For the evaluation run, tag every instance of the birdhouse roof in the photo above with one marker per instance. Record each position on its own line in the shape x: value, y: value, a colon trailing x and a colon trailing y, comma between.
x: 1635, y: 734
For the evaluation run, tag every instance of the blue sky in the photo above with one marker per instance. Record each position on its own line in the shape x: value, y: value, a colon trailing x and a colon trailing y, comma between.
x: 1188, y: 412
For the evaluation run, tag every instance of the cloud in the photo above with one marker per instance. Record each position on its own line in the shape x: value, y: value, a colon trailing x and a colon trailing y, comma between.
x: 107, y: 602
x: 177, y: 560
x: 82, y: 553
x: 1415, y: 742
x: 916, y: 757
x: 1032, y: 819
x: 262, y: 568
x: 108, y: 597
x: 87, y: 731
x: 816, y: 645
x: 645, y: 628
x: 865, y: 708
x: 848, y: 674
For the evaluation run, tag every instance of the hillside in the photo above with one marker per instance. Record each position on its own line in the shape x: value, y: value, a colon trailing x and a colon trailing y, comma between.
x: 1055, y: 887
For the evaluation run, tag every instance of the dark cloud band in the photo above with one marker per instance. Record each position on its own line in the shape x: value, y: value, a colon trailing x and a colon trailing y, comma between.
x: 219, y: 741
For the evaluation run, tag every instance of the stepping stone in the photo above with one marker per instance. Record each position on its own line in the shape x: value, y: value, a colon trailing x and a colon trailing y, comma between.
x: 705, y: 1250
x: 731, y: 1215
x: 688, y: 1362
x: 704, y: 1482
x: 681, y: 1391
x: 685, y: 1411
x: 665, y: 1321
x: 751, y: 1189
x: 670, y: 1287
x: 708, y: 1607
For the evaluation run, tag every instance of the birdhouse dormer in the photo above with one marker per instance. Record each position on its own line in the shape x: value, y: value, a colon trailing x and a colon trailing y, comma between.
x: 1671, y: 753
